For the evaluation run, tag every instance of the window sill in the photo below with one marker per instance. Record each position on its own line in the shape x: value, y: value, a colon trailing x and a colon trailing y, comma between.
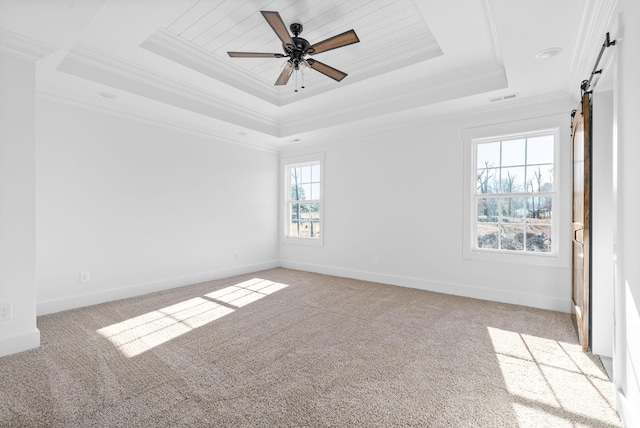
x: 310, y: 242
x: 529, y: 258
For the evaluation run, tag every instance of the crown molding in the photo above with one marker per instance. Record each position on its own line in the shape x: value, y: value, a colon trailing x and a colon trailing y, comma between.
x: 24, y: 47
x: 539, y: 106
x: 98, y: 66
x: 596, y: 21
x: 183, y: 52
x: 128, y: 112
x: 493, y: 30
x: 475, y: 79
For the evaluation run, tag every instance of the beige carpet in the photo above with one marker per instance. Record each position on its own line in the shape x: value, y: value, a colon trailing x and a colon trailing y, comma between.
x: 297, y: 349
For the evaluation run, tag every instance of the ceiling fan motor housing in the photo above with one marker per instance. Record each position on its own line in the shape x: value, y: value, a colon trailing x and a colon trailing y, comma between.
x: 301, y: 46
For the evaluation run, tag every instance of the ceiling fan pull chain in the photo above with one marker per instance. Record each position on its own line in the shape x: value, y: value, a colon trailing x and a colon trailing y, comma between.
x: 295, y: 78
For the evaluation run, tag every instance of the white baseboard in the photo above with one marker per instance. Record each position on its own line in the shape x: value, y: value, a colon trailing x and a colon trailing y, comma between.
x: 20, y: 342
x: 524, y: 299
x: 532, y: 300
x: 101, y: 296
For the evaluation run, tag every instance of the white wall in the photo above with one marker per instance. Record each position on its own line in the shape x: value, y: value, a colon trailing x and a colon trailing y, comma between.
x: 398, y: 196
x: 626, y: 358
x: 17, y: 204
x: 143, y: 207
x: 602, y: 218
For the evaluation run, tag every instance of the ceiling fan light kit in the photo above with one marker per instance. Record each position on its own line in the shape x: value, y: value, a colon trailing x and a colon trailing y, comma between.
x: 296, y: 49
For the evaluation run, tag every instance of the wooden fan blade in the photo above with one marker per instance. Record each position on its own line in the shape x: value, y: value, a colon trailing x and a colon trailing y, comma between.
x: 255, y: 55
x: 285, y: 75
x: 274, y: 19
x: 326, y: 70
x: 344, y: 39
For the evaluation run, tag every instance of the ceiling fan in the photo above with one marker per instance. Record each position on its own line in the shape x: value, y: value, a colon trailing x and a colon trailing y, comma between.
x: 297, y: 48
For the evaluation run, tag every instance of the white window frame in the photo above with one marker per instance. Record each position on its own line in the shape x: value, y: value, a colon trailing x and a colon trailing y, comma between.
x: 285, y: 165
x: 561, y: 220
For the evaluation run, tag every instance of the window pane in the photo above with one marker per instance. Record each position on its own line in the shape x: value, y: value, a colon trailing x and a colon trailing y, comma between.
x: 315, y: 191
x: 305, y: 230
x: 295, y: 212
x: 488, y: 210
x: 296, y: 175
x: 512, y: 237
x: 487, y: 234
x: 540, y: 150
x: 487, y: 180
x: 297, y: 193
x: 488, y: 155
x: 305, y: 220
x: 315, y: 173
x: 309, y: 219
x: 539, y: 210
x: 294, y: 217
x: 306, y: 174
x: 540, y: 178
x: 513, y: 153
x: 545, y: 209
x: 539, y: 238
x: 513, y: 210
x: 306, y: 191
x: 512, y: 179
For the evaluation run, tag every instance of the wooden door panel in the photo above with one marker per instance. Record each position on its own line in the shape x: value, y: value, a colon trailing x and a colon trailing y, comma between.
x: 581, y: 212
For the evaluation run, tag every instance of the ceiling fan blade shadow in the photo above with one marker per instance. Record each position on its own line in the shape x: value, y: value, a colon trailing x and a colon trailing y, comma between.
x: 326, y: 70
x: 344, y: 39
x: 274, y: 19
x: 255, y: 55
x: 285, y: 75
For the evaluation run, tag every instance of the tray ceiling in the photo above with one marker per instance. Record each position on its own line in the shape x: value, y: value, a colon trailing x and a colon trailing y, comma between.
x: 166, y: 61
x: 392, y: 35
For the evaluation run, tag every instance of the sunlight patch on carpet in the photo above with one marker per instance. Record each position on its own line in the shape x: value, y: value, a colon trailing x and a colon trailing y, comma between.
x: 546, y: 376
x: 247, y: 292
x: 137, y: 335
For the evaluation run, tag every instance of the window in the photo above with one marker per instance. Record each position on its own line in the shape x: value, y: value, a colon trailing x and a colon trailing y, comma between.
x: 515, y: 194
x: 303, y: 196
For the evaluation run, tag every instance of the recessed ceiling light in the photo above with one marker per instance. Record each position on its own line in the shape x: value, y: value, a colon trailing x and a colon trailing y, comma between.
x: 108, y: 95
x: 548, y: 53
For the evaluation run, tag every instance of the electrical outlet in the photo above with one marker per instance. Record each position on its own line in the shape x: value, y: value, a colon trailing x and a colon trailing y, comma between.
x: 376, y: 262
x: 5, y: 311
x: 85, y: 277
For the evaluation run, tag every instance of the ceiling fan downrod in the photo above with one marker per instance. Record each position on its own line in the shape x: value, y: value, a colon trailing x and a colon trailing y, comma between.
x: 296, y: 29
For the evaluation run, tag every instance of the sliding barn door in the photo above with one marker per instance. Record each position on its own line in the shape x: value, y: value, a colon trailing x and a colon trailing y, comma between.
x: 581, y: 277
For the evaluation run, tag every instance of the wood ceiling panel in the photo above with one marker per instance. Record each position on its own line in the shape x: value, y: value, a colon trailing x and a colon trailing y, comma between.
x: 197, y: 25
x: 343, y: 17
x: 392, y: 34
x: 196, y: 11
